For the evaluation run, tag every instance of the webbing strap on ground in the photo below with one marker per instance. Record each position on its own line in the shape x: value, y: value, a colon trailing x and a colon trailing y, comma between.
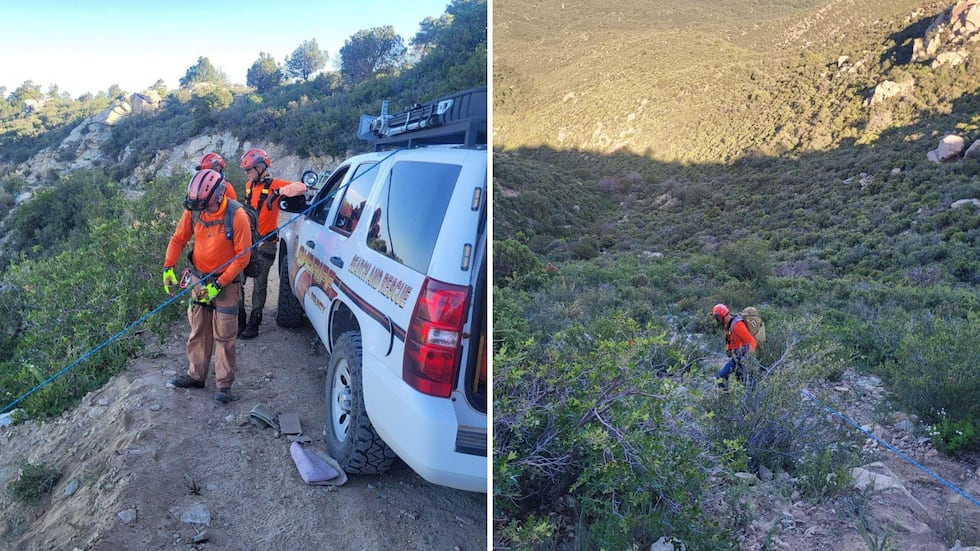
x: 166, y: 303
x: 809, y: 395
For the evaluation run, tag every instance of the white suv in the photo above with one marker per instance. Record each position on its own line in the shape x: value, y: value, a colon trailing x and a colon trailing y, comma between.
x: 388, y: 262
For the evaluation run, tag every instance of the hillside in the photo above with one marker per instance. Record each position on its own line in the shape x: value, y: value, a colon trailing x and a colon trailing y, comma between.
x: 90, y: 191
x: 653, y: 161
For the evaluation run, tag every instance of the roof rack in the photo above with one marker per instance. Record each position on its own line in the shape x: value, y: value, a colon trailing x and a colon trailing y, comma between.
x: 460, y: 118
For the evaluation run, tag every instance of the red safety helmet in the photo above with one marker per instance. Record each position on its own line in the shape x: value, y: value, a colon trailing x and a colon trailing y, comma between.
x: 253, y: 157
x: 719, y: 311
x: 211, y: 161
x: 205, y: 189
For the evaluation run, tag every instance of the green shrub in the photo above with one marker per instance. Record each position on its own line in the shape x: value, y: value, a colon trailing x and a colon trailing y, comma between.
x: 935, y: 373
x: 586, y: 427
x: 766, y: 413
x: 35, y: 481
x: 585, y: 249
x: 60, y: 308
x: 513, y: 262
x: 825, y: 472
x: 955, y: 436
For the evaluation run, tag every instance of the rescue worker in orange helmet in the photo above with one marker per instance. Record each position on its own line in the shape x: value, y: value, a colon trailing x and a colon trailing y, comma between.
x: 213, y: 309
x: 214, y: 162
x: 262, y: 192
x: 738, y: 343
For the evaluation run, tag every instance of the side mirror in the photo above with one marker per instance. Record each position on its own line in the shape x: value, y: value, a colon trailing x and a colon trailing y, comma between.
x: 310, y: 178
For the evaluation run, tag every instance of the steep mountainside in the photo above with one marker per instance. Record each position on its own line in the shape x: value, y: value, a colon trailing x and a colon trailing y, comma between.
x: 707, y: 81
x: 817, y: 159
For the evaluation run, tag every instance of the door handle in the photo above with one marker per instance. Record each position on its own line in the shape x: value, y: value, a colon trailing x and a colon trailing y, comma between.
x: 311, y: 244
x: 337, y: 261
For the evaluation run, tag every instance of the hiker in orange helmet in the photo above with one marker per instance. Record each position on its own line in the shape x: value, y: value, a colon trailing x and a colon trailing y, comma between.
x: 738, y: 343
x: 213, y: 308
x: 262, y: 192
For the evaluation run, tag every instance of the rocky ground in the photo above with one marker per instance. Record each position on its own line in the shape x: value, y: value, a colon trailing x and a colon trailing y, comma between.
x: 895, y: 505
x: 144, y: 466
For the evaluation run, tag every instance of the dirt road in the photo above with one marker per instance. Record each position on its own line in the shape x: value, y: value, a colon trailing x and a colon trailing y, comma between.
x: 140, y: 460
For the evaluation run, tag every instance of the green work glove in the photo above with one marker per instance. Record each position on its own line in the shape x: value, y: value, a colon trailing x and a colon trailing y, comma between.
x: 208, y: 292
x: 169, y: 279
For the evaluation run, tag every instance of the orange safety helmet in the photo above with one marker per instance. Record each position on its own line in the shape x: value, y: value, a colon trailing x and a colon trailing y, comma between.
x: 211, y: 161
x: 205, y: 189
x: 254, y: 156
x: 719, y: 311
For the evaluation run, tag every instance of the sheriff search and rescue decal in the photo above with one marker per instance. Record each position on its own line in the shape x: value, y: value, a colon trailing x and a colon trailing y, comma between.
x: 321, y: 275
x: 388, y: 285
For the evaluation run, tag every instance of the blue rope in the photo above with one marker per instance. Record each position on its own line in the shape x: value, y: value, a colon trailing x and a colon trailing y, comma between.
x: 166, y: 303
x: 807, y: 394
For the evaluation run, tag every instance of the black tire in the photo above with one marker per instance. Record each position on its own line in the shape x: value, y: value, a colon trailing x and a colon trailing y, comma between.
x: 290, y: 312
x: 351, y: 439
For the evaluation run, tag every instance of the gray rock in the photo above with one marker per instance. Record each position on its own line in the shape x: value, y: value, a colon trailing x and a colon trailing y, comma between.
x: 71, y: 488
x: 196, y: 514
x: 127, y: 517
x: 905, y: 426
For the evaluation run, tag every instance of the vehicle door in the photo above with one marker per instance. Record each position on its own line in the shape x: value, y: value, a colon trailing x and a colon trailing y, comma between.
x: 316, y: 281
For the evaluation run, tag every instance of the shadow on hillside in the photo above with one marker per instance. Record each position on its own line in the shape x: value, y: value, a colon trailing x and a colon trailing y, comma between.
x: 901, y: 52
x: 872, y: 205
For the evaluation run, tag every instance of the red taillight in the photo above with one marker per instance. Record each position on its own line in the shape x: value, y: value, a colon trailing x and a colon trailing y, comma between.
x: 433, y: 342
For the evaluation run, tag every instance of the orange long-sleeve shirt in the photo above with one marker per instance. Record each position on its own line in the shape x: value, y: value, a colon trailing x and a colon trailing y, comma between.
x: 212, y: 249
x: 738, y: 335
x: 257, y: 194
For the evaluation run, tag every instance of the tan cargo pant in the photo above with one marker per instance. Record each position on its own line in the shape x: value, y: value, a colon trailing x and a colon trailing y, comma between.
x: 213, y: 329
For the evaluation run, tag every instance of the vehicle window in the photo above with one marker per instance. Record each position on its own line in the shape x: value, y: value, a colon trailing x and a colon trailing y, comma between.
x: 408, y: 218
x: 324, y: 198
x: 355, y: 196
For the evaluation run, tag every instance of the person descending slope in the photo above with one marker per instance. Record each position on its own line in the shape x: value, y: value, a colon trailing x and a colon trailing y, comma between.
x: 738, y: 343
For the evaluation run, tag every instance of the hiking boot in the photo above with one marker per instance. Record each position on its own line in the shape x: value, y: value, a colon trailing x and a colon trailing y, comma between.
x: 224, y: 396
x: 186, y: 381
x: 252, y: 327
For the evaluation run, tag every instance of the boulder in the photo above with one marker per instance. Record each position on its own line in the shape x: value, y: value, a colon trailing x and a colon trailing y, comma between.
x: 973, y: 151
x: 145, y: 102
x: 948, y: 150
x: 952, y: 59
x: 889, y: 89
x: 965, y: 203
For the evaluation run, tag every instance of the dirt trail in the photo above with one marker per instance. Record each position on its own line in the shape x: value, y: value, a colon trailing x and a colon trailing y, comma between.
x: 161, y: 454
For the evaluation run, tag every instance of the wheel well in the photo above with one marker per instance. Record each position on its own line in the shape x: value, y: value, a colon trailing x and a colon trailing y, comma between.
x: 342, y: 321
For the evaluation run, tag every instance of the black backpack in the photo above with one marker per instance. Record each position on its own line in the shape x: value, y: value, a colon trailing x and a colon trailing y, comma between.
x: 255, y: 261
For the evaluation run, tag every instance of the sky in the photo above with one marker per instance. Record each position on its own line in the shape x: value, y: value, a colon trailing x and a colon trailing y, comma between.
x: 87, y: 45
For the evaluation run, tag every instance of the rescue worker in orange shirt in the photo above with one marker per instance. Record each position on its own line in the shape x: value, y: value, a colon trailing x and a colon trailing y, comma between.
x: 213, y: 309
x: 216, y: 163
x: 262, y: 192
x: 738, y: 343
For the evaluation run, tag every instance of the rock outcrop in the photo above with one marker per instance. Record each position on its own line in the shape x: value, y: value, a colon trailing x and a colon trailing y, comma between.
x: 945, y: 39
x: 890, y: 89
x: 82, y: 149
x: 949, y: 149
